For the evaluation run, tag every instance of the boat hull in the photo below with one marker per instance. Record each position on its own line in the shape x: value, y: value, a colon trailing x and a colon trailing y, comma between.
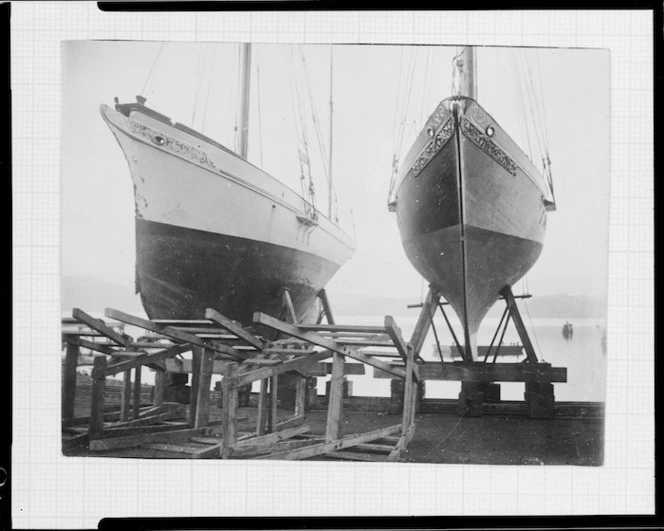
x: 471, y: 217
x: 181, y: 272
x: 214, y: 231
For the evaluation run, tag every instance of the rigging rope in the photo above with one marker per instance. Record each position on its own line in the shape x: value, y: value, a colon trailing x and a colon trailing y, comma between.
x: 207, y: 94
x: 202, y: 59
x: 314, y: 117
x: 260, y: 123
x: 238, y: 96
x: 152, y: 69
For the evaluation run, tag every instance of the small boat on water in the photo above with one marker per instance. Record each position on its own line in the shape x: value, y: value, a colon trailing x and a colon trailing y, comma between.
x: 470, y: 204
x: 215, y: 231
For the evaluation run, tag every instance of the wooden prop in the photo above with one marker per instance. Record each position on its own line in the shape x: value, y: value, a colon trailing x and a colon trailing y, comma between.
x: 174, y: 333
x: 329, y: 344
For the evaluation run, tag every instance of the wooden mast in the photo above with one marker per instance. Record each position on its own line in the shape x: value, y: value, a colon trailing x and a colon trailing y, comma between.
x: 467, y: 68
x: 329, y: 177
x: 245, y: 79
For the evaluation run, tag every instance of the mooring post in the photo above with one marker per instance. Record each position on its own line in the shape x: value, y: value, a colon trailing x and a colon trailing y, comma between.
x: 137, y: 392
x: 69, y: 381
x: 261, y: 417
x: 96, y: 423
x: 335, y: 401
x: 126, y: 397
x: 229, y: 418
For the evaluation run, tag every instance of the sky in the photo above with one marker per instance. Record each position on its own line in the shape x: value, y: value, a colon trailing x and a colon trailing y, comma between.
x: 375, y: 89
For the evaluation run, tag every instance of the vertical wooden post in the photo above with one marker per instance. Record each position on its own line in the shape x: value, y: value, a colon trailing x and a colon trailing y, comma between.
x: 230, y: 410
x: 274, y: 402
x: 126, y: 397
x: 300, y: 395
x: 203, y: 395
x: 196, y: 354
x: 261, y: 419
x: 137, y: 392
x: 69, y: 381
x: 518, y: 322
x: 96, y: 423
x: 408, y: 392
x: 335, y: 402
x: 159, y: 385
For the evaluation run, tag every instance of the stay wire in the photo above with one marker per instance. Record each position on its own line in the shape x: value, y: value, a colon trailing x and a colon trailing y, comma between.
x: 152, y: 69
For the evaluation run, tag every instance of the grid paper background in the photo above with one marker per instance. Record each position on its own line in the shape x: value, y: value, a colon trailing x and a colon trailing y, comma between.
x: 52, y: 491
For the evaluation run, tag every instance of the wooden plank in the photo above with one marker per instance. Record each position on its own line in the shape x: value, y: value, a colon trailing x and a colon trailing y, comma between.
x: 235, y: 328
x: 374, y: 447
x: 126, y: 431
x: 424, y: 320
x: 261, y: 417
x: 298, y: 364
x: 144, y: 359
x: 173, y: 333
x: 183, y: 322
x: 300, y: 395
x: 273, y: 437
x: 125, y: 398
x: 335, y: 403
x: 292, y: 422
x: 230, y: 404
x: 96, y: 424
x: 357, y: 456
x: 369, y: 342
x: 273, y: 402
x: 402, y: 348
x: 488, y: 372
x: 342, y: 328
x: 325, y: 343
x: 101, y: 327
x: 69, y: 381
x: 333, y: 446
x: 91, y: 345
x: 280, y: 446
x: 137, y: 392
x: 131, y: 441
x: 196, y: 355
x: 160, y: 378
x: 142, y: 421
x: 203, y: 395
x: 408, y: 391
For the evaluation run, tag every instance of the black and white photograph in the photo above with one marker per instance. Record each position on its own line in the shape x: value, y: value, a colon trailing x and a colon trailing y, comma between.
x: 377, y: 253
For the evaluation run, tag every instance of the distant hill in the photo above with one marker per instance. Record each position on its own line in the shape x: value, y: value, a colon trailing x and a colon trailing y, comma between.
x: 94, y: 294
x: 553, y: 306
